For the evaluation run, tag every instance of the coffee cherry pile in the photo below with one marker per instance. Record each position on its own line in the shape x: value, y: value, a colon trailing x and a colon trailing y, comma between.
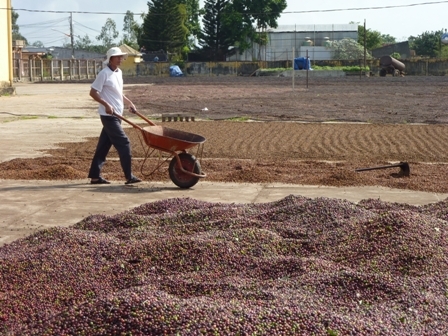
x: 297, y: 266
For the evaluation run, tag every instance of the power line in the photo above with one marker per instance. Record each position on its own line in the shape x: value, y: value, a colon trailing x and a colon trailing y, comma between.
x: 288, y: 12
x: 80, y: 24
x: 43, y: 23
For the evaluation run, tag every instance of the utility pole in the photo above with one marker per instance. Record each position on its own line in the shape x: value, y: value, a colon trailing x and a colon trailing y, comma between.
x: 71, y: 35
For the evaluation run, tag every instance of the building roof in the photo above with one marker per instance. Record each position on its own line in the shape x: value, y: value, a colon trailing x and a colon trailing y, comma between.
x: 129, y: 50
x: 35, y: 50
x: 62, y: 52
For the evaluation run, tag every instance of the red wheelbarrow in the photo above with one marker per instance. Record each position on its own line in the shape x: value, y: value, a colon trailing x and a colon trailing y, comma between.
x: 184, y: 169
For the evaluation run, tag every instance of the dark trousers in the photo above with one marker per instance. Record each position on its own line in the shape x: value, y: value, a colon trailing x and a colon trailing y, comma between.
x: 111, y: 134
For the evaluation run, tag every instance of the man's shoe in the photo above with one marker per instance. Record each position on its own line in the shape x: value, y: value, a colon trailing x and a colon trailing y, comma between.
x: 132, y: 180
x: 100, y: 180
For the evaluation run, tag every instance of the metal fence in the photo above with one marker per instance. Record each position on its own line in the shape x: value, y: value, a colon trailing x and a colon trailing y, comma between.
x: 63, y: 70
x: 46, y: 69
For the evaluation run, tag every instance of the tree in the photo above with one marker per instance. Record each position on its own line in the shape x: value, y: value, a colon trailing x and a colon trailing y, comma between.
x: 85, y: 43
x: 428, y: 44
x: 213, y: 39
x: 108, y: 33
x: 255, y: 17
x: 15, y: 27
x: 178, y: 32
x: 238, y: 27
x: 38, y: 44
x: 348, y: 49
x: 373, y: 38
x: 265, y: 12
x: 164, y: 27
x: 130, y: 30
x: 388, y: 39
x: 192, y: 22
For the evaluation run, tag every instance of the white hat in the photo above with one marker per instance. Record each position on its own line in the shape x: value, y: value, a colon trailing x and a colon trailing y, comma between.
x: 115, y: 51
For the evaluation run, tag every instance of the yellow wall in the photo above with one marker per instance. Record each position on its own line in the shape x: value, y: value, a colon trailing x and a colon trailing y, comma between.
x: 5, y: 44
x: 129, y: 65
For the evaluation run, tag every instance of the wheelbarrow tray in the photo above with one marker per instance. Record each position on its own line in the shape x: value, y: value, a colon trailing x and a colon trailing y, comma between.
x: 169, y: 139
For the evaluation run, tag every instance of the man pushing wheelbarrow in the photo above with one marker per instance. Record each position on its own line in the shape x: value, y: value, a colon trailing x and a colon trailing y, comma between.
x: 107, y: 89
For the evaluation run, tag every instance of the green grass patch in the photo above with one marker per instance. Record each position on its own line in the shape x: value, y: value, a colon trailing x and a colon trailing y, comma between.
x: 343, y: 68
x: 326, y: 68
x: 238, y: 119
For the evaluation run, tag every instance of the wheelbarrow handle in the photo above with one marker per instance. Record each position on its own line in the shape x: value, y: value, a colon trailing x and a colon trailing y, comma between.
x: 144, y: 118
x: 126, y: 120
x: 131, y: 123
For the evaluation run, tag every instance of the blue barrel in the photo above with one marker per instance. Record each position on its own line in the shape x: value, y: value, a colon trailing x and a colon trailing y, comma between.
x: 302, y: 63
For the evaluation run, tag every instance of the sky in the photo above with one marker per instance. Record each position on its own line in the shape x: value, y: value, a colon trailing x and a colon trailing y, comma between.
x: 398, y: 18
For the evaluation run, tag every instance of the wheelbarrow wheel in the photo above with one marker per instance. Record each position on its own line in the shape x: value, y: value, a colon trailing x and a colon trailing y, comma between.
x: 189, y: 163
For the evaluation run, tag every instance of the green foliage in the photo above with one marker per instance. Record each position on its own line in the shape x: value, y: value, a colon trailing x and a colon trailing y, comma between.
x: 180, y: 64
x: 239, y: 119
x: 38, y: 44
x: 322, y: 67
x: 238, y: 23
x: 428, y: 44
x: 178, y: 31
x: 130, y: 30
x: 444, y: 51
x: 214, y: 39
x: 355, y: 68
x: 264, y: 13
x: 373, y: 38
x: 15, y: 27
x: 388, y: 39
x: 192, y: 23
x: 152, y: 26
x: 395, y: 55
x: 108, y: 33
x: 164, y: 27
x: 237, y: 28
x: 84, y: 43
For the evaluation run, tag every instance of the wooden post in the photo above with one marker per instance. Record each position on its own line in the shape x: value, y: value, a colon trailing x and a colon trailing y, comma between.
x: 30, y: 66
x: 308, y: 64
x: 41, y: 70
x: 51, y: 69
x: 293, y: 74
x: 365, y: 47
x: 61, y: 69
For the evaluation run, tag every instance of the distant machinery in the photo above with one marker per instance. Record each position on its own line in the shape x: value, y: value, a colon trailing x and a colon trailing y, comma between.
x: 392, y: 66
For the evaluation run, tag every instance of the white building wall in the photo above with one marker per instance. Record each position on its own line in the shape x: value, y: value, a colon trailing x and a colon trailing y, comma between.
x: 5, y: 43
x: 284, y: 39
